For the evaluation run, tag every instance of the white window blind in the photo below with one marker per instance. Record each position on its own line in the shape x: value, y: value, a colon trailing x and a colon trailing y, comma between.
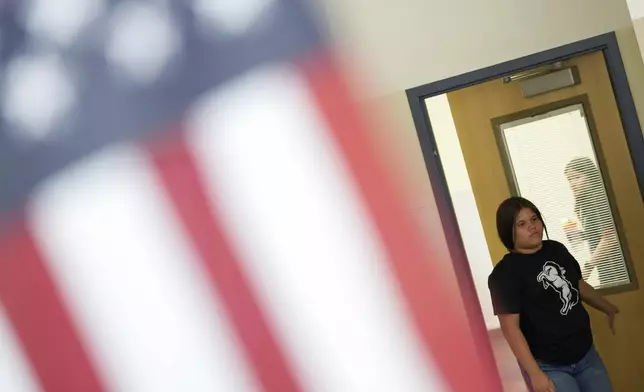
x: 553, y: 162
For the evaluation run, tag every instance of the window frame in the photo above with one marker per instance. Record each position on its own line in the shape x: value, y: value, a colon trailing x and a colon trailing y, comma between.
x: 584, y: 102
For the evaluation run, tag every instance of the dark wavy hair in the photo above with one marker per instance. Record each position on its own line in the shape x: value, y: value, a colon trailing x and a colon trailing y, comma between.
x: 506, y: 216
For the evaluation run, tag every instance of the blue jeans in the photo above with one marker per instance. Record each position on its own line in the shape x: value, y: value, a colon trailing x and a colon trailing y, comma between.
x: 587, y: 375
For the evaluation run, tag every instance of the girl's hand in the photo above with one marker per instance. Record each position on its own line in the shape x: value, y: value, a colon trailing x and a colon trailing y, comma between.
x: 542, y: 383
x: 611, y: 318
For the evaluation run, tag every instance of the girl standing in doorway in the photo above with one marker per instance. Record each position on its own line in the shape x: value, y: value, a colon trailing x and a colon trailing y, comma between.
x: 537, y: 291
x: 593, y: 211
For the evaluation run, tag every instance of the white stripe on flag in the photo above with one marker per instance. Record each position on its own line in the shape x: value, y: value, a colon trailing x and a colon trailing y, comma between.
x: 132, y: 282
x: 306, y: 242
x: 16, y: 375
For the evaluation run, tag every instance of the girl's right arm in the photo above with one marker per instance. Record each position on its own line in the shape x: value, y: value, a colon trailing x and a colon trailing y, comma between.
x: 516, y: 340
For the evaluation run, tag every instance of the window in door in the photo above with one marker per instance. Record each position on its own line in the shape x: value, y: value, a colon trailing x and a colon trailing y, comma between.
x: 551, y: 160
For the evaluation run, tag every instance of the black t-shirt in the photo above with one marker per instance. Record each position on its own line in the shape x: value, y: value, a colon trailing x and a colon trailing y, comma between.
x: 543, y: 288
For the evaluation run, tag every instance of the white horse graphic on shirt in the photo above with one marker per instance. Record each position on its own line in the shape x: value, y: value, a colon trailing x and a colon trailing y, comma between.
x: 553, y: 275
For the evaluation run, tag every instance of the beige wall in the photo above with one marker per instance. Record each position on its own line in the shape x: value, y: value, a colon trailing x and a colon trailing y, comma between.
x: 412, y: 42
x: 638, y: 24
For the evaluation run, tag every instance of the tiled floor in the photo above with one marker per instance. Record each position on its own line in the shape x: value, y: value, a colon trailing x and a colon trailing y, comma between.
x: 506, y: 363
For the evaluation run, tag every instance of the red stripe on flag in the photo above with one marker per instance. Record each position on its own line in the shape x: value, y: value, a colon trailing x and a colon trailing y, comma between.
x: 177, y: 170
x: 430, y: 305
x: 39, y: 317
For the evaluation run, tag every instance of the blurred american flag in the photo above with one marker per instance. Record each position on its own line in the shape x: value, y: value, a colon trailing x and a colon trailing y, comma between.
x: 189, y: 202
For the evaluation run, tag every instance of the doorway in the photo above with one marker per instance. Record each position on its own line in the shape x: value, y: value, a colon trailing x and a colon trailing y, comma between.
x: 510, y: 129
